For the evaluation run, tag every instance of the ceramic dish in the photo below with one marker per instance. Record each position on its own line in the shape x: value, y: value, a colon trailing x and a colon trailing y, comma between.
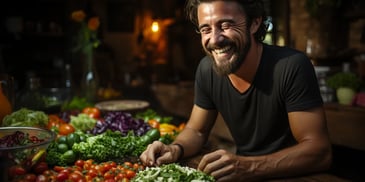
x: 122, y: 105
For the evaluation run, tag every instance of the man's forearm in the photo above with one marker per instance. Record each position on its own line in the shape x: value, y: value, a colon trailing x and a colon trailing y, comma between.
x: 191, y: 140
x: 296, y: 160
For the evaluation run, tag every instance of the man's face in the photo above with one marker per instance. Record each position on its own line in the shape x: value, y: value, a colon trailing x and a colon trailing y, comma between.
x: 224, y: 34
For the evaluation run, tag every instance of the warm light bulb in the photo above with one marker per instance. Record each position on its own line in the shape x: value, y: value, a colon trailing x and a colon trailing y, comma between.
x: 155, y: 26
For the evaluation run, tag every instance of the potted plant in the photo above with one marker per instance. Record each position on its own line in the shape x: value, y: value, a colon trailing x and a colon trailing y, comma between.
x: 346, y: 85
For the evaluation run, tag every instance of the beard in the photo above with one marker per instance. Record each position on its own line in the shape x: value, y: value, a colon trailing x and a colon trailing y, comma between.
x: 226, y: 67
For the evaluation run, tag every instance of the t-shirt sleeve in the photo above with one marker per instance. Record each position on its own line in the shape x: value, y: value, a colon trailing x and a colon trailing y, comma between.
x: 203, y: 85
x: 301, y: 85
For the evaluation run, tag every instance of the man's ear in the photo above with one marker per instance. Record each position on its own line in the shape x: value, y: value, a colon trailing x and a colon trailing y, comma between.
x: 255, y: 25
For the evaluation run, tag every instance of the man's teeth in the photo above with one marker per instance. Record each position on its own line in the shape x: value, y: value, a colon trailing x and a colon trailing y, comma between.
x: 222, y: 50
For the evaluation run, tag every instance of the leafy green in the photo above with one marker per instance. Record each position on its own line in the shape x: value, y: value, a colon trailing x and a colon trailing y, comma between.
x: 109, y: 145
x: 173, y: 173
x: 54, y: 156
x: 76, y: 103
x: 82, y: 122
x: 151, y: 114
x: 343, y: 79
x: 26, y: 117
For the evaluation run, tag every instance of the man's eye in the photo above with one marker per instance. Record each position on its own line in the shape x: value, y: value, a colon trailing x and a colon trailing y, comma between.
x: 225, y: 26
x: 205, y: 30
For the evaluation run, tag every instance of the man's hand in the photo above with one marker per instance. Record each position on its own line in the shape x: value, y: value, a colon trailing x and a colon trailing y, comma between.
x: 225, y: 166
x: 158, y: 153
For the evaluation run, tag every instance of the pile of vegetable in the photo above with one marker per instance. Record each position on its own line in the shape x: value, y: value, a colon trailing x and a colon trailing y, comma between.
x: 81, y: 170
x: 110, y: 145
x: 85, y: 135
x: 172, y: 173
x: 122, y: 122
x: 26, y: 117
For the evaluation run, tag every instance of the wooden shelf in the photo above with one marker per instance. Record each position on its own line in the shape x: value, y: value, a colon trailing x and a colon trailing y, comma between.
x: 346, y: 125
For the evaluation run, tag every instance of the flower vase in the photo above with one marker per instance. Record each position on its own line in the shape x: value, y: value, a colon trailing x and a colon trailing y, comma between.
x: 90, y: 79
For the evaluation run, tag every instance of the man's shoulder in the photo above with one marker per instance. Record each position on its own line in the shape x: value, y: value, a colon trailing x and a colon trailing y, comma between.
x: 281, y: 50
x: 284, y: 55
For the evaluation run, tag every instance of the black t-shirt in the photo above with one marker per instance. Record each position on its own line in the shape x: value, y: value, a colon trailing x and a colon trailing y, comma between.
x: 258, y: 118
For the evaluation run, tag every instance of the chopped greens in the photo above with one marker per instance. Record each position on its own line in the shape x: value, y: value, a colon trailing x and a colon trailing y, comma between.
x: 172, y: 173
x: 110, y: 145
x: 26, y: 117
x: 82, y: 122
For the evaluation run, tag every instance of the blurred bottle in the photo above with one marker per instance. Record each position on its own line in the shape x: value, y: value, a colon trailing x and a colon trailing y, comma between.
x: 68, y: 77
x: 30, y: 96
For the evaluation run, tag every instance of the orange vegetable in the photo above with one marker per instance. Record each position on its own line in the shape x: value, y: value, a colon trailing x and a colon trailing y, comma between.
x: 168, y: 129
x: 154, y: 123
x: 66, y: 129
x: 93, y: 112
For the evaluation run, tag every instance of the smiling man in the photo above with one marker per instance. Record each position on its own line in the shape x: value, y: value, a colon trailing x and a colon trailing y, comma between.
x: 268, y: 97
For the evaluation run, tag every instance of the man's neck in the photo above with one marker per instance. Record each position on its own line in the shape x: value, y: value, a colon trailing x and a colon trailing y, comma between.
x: 243, y: 77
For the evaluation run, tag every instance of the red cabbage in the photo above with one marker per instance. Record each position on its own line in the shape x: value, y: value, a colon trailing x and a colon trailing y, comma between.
x: 121, y: 121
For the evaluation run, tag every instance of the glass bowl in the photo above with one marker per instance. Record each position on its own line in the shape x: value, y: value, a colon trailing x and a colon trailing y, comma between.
x: 22, y: 147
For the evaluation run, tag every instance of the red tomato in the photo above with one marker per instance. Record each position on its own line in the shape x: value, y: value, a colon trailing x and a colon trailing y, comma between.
x: 138, y: 167
x: 40, y: 167
x: 93, y: 112
x: 128, y: 164
x: 119, y: 176
x: 100, y: 168
x: 107, y: 166
x: 109, y: 175
x: 76, y: 177
x: 16, y: 171
x: 62, y: 176
x: 92, y: 173
x: 80, y: 163
x: 54, y: 121
x: 130, y: 174
x: 58, y: 168
x: 66, y: 129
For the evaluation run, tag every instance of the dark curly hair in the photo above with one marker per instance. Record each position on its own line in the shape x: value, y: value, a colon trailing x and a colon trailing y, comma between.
x: 252, y: 8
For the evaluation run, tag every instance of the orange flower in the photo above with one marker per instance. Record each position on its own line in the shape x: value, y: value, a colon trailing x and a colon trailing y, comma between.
x: 78, y: 15
x: 93, y: 23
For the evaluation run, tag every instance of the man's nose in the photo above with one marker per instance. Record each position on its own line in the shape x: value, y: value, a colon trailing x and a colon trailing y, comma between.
x: 216, y: 36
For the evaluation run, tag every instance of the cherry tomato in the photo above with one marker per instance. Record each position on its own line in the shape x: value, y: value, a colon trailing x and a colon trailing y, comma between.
x: 58, y: 168
x: 54, y: 121
x: 137, y: 167
x: 80, y: 163
x: 62, y: 176
x: 100, y: 168
x: 40, y: 167
x: 92, y: 173
x: 66, y: 129
x: 107, y: 166
x: 130, y: 173
x: 119, y: 176
x: 109, y: 175
x: 16, y: 171
x: 93, y: 112
x: 128, y: 164
x: 76, y: 176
